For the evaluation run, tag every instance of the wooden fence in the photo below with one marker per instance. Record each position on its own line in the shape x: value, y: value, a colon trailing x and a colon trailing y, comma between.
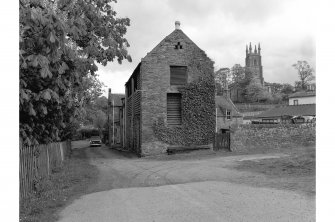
x: 38, y: 162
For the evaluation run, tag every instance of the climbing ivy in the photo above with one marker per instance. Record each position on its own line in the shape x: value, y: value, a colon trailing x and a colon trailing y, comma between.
x: 198, y: 116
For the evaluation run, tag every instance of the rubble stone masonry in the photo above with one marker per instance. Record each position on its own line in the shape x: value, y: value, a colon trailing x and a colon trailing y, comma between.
x: 248, y: 137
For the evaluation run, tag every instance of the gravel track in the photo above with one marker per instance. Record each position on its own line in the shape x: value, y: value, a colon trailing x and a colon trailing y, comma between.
x: 205, y: 189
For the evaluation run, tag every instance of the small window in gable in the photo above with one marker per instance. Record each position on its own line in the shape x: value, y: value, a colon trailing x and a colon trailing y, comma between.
x: 178, y: 46
x: 178, y: 75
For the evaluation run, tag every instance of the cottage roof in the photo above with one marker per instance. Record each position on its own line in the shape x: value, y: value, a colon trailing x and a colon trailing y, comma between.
x: 289, y: 110
x: 223, y: 103
x: 117, y: 99
x: 302, y: 94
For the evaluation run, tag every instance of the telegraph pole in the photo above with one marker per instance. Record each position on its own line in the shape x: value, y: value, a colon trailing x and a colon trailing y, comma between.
x: 113, y: 119
x: 108, y: 115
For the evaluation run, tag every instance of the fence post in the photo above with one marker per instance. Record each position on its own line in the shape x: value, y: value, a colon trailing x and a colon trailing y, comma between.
x: 61, y: 151
x: 48, y: 159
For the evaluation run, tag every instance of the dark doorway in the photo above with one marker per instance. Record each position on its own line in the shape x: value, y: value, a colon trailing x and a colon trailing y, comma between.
x: 222, y: 140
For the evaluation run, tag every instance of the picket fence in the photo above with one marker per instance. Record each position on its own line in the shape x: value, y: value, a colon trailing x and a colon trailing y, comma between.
x: 38, y: 162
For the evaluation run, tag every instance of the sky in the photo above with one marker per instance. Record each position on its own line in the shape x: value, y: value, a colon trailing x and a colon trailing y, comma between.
x: 222, y: 28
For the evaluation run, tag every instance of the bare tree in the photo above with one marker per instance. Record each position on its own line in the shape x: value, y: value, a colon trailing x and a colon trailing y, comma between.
x: 305, y: 73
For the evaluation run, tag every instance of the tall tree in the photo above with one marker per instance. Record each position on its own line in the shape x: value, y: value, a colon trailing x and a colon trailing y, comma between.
x: 222, y: 80
x: 237, y: 73
x: 255, y: 92
x: 60, y: 42
x: 305, y: 73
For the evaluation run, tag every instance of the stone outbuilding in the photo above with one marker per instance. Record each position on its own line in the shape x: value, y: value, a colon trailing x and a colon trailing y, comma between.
x: 301, y: 98
x: 157, y: 109
x: 226, y: 114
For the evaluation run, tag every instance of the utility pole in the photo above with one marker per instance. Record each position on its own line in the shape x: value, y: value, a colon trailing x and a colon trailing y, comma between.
x: 108, y: 114
x: 113, y: 120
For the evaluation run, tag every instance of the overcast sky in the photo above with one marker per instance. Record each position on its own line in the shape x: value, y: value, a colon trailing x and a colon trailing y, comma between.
x: 222, y: 28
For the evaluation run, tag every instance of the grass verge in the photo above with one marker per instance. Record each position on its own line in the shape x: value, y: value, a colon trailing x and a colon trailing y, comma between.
x: 293, y: 172
x: 64, y: 185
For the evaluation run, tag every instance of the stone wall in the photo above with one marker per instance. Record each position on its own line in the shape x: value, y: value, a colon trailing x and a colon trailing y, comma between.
x: 248, y: 137
x: 223, y: 123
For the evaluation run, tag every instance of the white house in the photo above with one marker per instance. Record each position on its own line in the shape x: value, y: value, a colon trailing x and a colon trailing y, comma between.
x: 302, y: 98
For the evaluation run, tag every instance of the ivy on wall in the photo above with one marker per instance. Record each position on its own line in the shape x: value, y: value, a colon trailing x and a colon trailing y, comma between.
x: 198, y: 116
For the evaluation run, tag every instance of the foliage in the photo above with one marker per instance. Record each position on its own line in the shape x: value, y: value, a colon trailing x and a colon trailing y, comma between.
x: 305, y: 74
x: 92, y: 88
x: 279, y: 92
x: 255, y: 92
x: 198, y: 116
x: 237, y: 73
x: 222, y: 79
x: 91, y: 108
x: 275, y: 87
x: 60, y: 41
x: 100, y: 120
x: 286, y: 90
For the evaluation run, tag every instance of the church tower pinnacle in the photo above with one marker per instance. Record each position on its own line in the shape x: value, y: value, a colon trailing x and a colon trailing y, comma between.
x: 259, y: 48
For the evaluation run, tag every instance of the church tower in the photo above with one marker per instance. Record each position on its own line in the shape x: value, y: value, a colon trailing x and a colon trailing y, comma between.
x: 253, y: 63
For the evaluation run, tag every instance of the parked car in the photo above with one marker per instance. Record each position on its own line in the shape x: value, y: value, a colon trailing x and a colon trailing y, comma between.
x: 95, y: 141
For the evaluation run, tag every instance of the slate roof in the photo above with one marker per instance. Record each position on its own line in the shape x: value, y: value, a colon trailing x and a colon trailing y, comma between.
x: 302, y: 94
x: 289, y: 110
x: 117, y: 98
x: 223, y: 103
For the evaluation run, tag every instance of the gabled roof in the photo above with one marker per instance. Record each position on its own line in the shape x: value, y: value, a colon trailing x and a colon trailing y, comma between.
x: 289, y: 110
x: 176, y: 34
x: 223, y: 103
x: 302, y: 94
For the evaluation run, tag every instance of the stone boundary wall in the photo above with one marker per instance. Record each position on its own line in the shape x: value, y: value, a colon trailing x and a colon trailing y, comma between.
x: 272, y: 136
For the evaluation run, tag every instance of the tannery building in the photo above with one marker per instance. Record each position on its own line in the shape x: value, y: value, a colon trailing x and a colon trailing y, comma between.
x: 170, y: 98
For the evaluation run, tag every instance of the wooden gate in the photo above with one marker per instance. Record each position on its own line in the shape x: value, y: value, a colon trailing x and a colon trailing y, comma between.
x: 222, y: 141
x: 137, y: 135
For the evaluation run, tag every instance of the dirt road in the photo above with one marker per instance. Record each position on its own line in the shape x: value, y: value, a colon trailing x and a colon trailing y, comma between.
x: 185, y: 189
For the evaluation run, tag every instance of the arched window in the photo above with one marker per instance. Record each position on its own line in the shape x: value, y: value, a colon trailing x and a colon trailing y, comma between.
x: 255, y: 62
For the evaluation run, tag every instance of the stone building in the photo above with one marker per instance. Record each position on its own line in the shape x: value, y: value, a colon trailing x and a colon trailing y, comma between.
x: 153, y: 93
x: 226, y: 114
x: 301, y: 98
x: 253, y: 70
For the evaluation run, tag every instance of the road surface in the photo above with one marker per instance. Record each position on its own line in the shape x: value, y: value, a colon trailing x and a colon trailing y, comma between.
x: 184, y: 189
